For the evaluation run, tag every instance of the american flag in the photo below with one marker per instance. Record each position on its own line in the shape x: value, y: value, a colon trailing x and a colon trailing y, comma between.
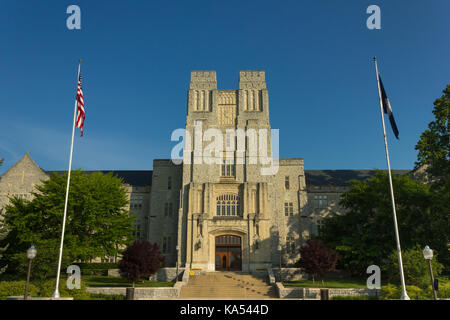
x: 80, y: 115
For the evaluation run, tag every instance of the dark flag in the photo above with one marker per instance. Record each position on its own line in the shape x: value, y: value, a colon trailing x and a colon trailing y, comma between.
x: 387, y: 108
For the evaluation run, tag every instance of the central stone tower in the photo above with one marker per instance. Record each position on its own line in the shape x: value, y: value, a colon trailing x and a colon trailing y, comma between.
x: 225, y: 214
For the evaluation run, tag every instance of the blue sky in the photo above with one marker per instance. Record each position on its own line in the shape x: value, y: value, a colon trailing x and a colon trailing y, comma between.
x: 137, y: 56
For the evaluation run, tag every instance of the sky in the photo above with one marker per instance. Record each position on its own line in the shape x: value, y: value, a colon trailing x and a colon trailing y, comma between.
x: 137, y: 57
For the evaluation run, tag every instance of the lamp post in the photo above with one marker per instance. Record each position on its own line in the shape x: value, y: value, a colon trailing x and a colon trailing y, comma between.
x: 279, y: 251
x: 31, y: 254
x: 178, y: 249
x: 428, y: 255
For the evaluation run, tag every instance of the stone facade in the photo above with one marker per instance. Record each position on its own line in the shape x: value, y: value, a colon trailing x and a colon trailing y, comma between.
x: 20, y: 180
x: 231, y: 214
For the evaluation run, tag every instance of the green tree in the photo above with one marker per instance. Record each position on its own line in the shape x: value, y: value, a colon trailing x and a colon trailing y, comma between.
x: 434, y: 155
x: 97, y: 224
x: 365, y: 234
x: 3, y: 234
x: 434, y: 144
x: 415, y: 267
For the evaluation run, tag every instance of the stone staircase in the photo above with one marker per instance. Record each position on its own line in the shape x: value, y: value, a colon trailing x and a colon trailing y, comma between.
x: 227, y: 285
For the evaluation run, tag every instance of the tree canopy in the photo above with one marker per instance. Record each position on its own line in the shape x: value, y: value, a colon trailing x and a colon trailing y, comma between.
x: 3, y: 234
x: 317, y: 259
x: 365, y: 235
x: 434, y: 155
x: 140, y: 260
x: 434, y: 144
x: 97, y: 224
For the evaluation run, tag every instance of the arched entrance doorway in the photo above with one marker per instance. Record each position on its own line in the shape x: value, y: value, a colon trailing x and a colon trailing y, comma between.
x: 228, y: 253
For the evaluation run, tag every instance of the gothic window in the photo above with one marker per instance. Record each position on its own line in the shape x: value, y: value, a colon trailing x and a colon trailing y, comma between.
x: 288, y: 209
x: 320, y: 202
x: 228, y: 205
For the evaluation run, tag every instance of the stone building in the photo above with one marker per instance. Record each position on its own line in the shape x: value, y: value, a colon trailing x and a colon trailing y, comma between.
x: 222, y: 208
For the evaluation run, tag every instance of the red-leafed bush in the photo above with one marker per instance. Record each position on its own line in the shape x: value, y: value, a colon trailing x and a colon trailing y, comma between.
x: 317, y: 259
x: 140, y: 260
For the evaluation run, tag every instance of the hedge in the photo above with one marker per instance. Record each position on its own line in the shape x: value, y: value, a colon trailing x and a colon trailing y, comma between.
x: 48, y: 288
x: 17, y: 288
x: 415, y: 293
x: 96, y: 268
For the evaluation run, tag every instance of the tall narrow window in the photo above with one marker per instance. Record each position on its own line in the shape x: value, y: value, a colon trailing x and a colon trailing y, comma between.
x: 286, y: 182
x: 169, y: 183
x: 288, y: 209
x: 228, y: 169
x: 290, y: 245
x: 168, y: 209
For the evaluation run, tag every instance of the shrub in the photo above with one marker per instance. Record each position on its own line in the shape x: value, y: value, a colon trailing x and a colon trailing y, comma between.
x: 390, y: 292
x: 415, y: 267
x: 444, y: 290
x: 16, y: 288
x: 88, y: 269
x: 416, y: 293
x: 48, y: 288
x: 98, y: 266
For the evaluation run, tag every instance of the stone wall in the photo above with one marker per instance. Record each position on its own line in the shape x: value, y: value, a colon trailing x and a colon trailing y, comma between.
x: 166, y: 274
x: 140, y: 293
x: 289, y: 274
x: 107, y: 290
x: 314, y: 293
x: 152, y: 293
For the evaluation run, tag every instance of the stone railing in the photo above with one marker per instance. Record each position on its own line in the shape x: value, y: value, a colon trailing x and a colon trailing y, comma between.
x: 185, y: 278
x: 271, y: 276
x: 147, y: 293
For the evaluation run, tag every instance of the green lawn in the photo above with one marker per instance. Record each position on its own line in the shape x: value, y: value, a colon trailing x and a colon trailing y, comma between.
x: 328, y: 283
x: 105, y: 281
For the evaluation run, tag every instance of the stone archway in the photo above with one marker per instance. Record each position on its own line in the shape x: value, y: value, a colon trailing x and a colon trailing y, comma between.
x: 228, y: 253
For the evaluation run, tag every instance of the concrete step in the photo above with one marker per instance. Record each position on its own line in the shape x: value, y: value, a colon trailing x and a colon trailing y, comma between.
x: 227, y: 285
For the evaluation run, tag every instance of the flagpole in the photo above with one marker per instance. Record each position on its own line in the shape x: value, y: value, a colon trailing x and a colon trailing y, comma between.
x: 404, y: 295
x: 56, y: 293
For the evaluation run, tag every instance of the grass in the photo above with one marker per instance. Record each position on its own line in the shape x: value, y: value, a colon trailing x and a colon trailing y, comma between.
x: 108, y: 281
x: 328, y: 283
